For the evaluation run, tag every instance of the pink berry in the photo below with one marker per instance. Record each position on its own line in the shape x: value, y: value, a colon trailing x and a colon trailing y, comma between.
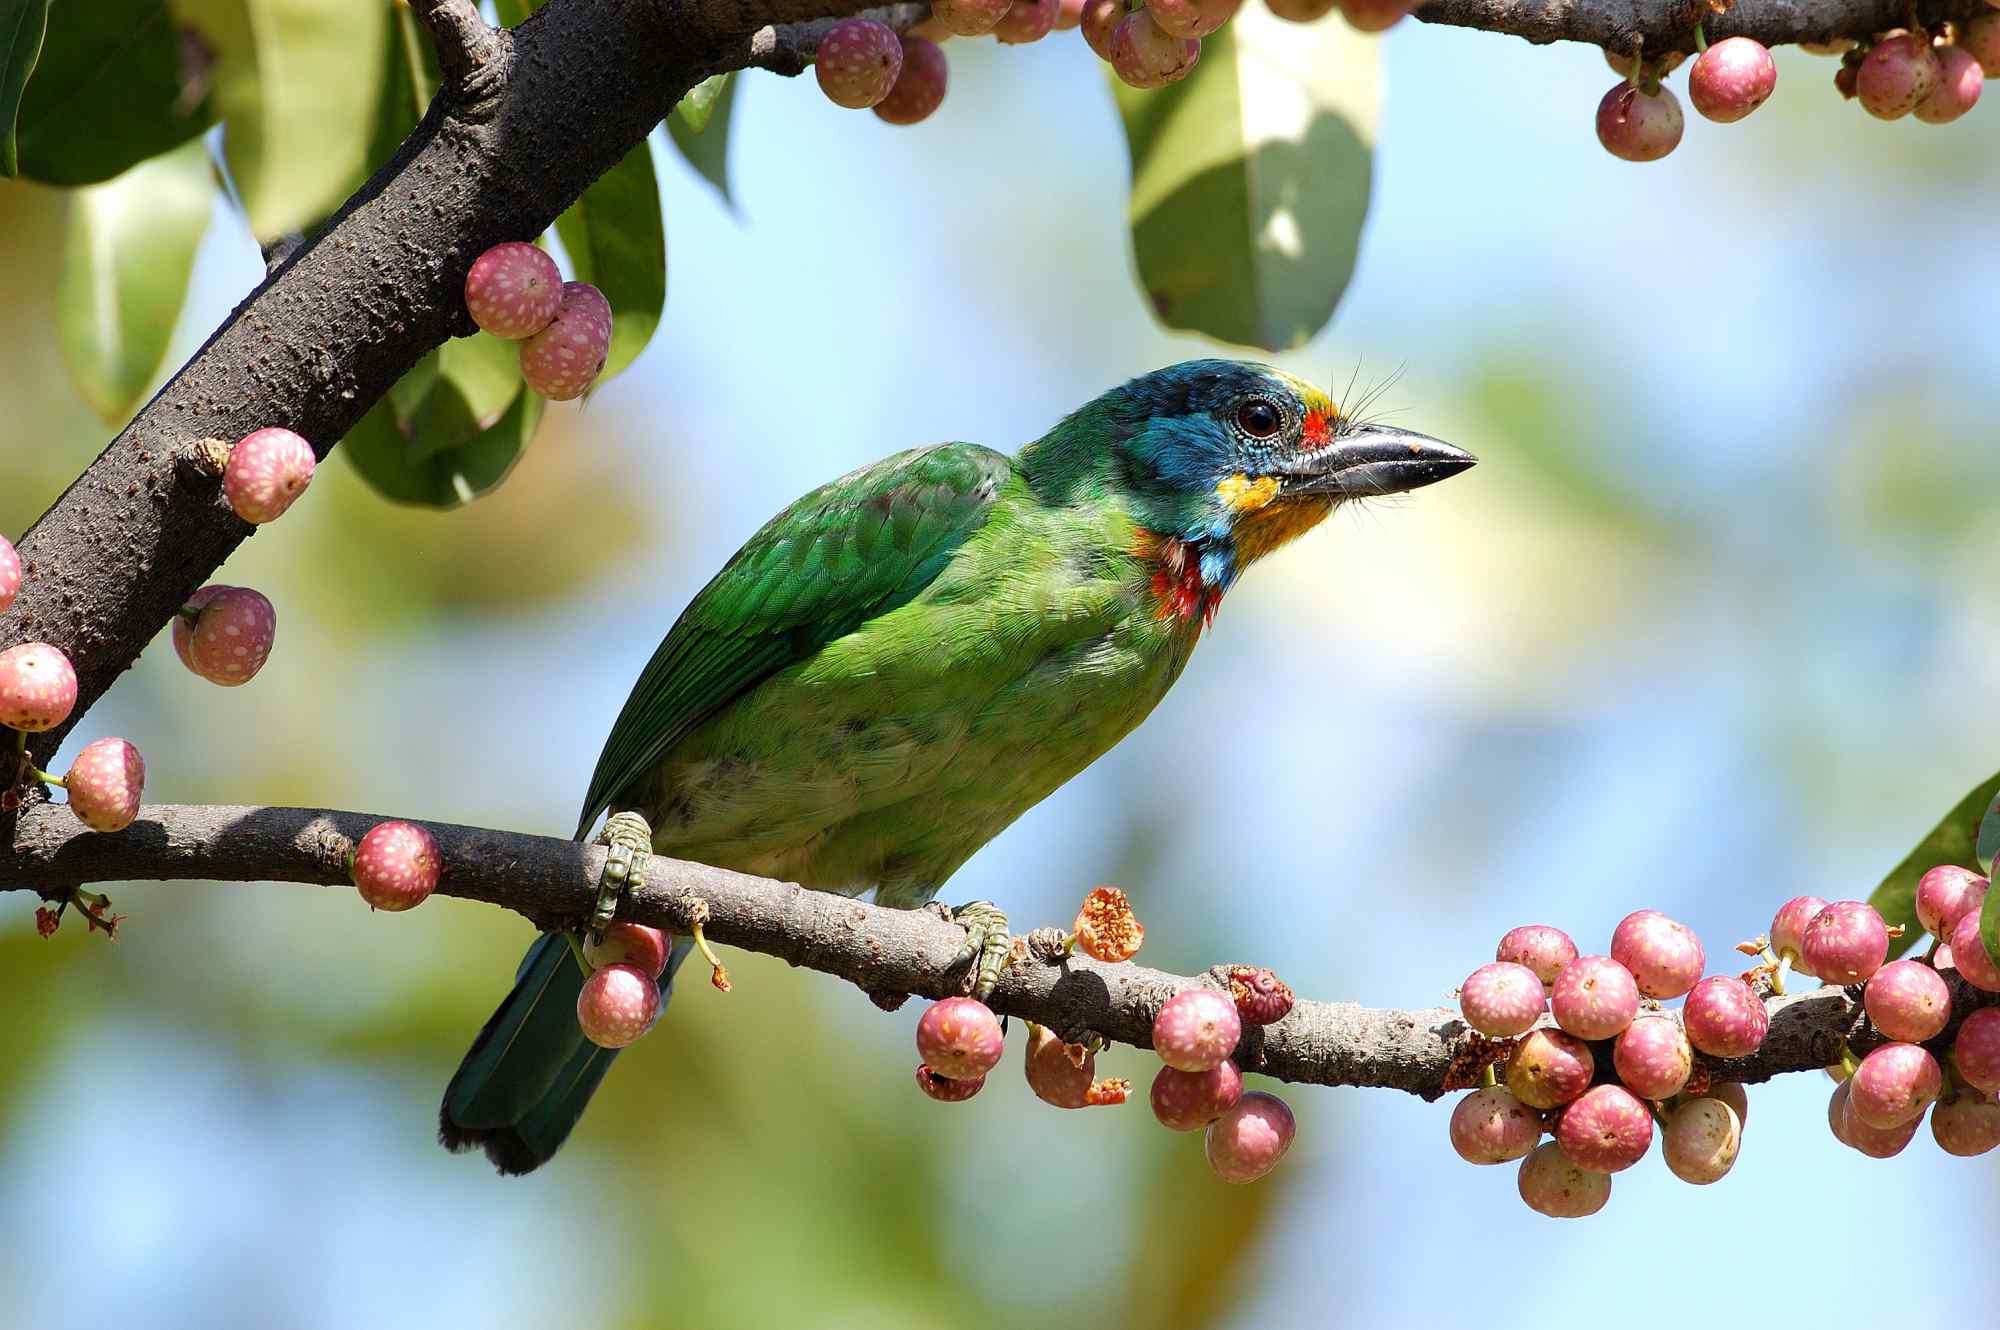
x: 1960, y: 81
x: 396, y: 866
x: 617, y: 1004
x: 1894, y: 1085
x: 1026, y: 21
x: 1247, y: 1142
x: 1053, y: 1075
x: 1789, y: 927
x: 1069, y: 13
x: 10, y: 573
x: 946, y: 1090
x: 1733, y: 1094
x: 1701, y: 1141
x: 1192, y: 18
x: 1975, y: 1050
x: 1100, y: 19
x: 1595, y: 997
x: 1491, y: 1126
x: 266, y: 471
x: 1502, y: 999
x: 1197, y: 1029
x: 1653, y: 1057
x: 1969, y: 954
x: 232, y: 636
x: 1373, y: 15
x: 1190, y: 1100
x: 857, y: 62
x: 1549, y: 1068
x: 1261, y: 997
x: 563, y: 359
x: 1553, y: 1186
x: 1942, y: 958
x: 1979, y: 37
x: 1846, y: 943
x: 1966, y: 1125
x: 1851, y: 1131
x: 919, y: 88
x: 1899, y: 73
x: 1607, y: 1130
x: 184, y: 621
x: 631, y: 944
x: 969, y: 18
x: 1301, y: 11
x: 960, y: 1038
x: 1638, y: 125
x: 1724, y: 1018
x: 37, y: 687
x: 1909, y: 1001
x: 1144, y: 55
x: 1731, y: 79
x: 513, y: 290
x: 1664, y: 955
x: 104, y: 784
x: 1945, y: 894
x: 1543, y: 948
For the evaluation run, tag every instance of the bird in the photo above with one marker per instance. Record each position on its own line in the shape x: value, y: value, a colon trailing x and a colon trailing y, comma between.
x: 905, y: 660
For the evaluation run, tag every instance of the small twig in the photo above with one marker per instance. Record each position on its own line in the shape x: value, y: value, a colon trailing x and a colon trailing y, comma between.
x: 467, y: 45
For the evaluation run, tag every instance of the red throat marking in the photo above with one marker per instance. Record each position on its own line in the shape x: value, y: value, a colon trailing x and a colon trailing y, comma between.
x: 1178, y: 591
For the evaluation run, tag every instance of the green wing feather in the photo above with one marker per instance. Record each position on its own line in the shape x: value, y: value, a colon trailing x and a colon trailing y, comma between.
x: 850, y: 550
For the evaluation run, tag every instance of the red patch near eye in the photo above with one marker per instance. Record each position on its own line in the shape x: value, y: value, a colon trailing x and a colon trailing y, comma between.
x: 1317, y: 431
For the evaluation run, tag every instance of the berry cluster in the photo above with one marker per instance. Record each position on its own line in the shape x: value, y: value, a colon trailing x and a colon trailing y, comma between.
x: 1936, y: 77
x: 515, y: 291
x: 1555, y: 1080
x: 37, y: 693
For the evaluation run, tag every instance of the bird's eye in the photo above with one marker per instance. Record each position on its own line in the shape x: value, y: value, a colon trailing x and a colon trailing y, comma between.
x: 1259, y: 418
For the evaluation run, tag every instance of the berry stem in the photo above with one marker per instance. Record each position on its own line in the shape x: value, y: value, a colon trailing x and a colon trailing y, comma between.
x: 1700, y: 37
x: 1778, y: 975
x: 575, y: 940
x: 1488, y: 1078
x: 45, y: 778
x: 719, y: 975
x: 1848, y: 1062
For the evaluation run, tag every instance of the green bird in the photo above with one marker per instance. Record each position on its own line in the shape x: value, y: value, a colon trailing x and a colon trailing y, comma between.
x: 907, y: 659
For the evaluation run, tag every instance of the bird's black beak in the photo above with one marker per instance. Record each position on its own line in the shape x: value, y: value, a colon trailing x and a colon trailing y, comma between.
x: 1373, y: 459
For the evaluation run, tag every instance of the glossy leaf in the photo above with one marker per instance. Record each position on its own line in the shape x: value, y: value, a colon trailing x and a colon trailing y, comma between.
x: 112, y: 88
x: 699, y: 127
x: 1989, y: 837
x: 1250, y: 179
x: 1951, y: 841
x: 616, y: 240
x: 22, y: 24
x: 410, y: 80
x: 445, y: 458
x: 128, y: 251
x: 1989, y: 923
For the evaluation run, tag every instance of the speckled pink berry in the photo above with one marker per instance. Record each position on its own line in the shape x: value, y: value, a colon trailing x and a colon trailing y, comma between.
x: 1731, y: 79
x: 1301, y: 11
x: 1247, y: 1142
x: 1192, y: 18
x: 1261, y: 997
x: 920, y: 88
x: 1637, y: 125
x: 1979, y: 37
x: 1960, y: 82
x: 1894, y: 1085
x: 1945, y: 894
x: 1733, y: 1094
x: 857, y: 62
x: 1553, y: 1186
x: 1653, y: 1057
x: 266, y: 471
x: 1502, y: 999
x: 1543, y: 948
x: 10, y: 573
x: 1374, y: 15
x: 1969, y: 954
x: 105, y: 783
x: 184, y: 621
x: 1026, y: 21
x: 1975, y: 1050
x: 1197, y: 1029
x: 1595, y: 997
x: 1491, y: 1126
x: 513, y: 290
x: 1190, y: 1100
x: 1549, y: 1068
x: 960, y: 1038
x: 617, y: 1004
x: 1908, y: 1000
x: 969, y: 18
x: 396, y: 866
x: 946, y: 1090
x: 1664, y: 955
x: 1788, y: 929
x: 1144, y: 55
x: 37, y: 687
x: 1607, y: 1129
x: 1896, y: 75
x: 1069, y: 14
x: 1966, y: 1125
x: 232, y: 636
x: 562, y: 360
x: 1851, y: 1131
x: 1846, y: 943
x: 637, y: 945
x: 1701, y: 1141
x: 1724, y: 1019
x: 1054, y: 1076
x: 1100, y: 19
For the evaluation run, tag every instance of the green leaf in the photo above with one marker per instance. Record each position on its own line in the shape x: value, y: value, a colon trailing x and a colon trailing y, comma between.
x: 1250, y: 179
x: 617, y: 242
x: 110, y: 91
x: 128, y: 252
x: 410, y: 80
x: 1989, y: 924
x: 298, y: 84
x: 446, y: 458
x: 1988, y: 843
x: 1950, y: 842
x: 22, y: 24
x: 512, y: 13
x: 699, y: 127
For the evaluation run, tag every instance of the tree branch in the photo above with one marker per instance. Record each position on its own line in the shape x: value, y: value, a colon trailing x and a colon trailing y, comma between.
x: 1668, y: 25
x: 789, y: 49
x: 883, y: 951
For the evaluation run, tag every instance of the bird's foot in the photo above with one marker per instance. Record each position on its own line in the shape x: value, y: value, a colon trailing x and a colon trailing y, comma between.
x: 987, y: 944
x: 630, y: 844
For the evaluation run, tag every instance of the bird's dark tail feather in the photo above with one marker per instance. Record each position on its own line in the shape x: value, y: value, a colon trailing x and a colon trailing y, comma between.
x: 529, y: 1075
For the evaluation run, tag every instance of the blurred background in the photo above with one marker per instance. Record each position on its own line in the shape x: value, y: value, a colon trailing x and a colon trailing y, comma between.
x: 1711, y: 625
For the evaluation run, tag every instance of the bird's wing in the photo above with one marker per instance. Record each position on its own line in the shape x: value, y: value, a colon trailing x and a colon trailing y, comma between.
x: 850, y: 550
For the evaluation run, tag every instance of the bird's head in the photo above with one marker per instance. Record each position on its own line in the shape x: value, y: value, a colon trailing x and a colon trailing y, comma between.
x: 1229, y: 460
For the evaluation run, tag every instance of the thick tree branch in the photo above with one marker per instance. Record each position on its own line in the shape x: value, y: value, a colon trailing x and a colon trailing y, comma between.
x: 1668, y: 25
x: 880, y: 950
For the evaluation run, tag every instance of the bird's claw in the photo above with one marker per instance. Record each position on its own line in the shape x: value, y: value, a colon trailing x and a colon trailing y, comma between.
x: 987, y: 944
x: 629, y: 842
